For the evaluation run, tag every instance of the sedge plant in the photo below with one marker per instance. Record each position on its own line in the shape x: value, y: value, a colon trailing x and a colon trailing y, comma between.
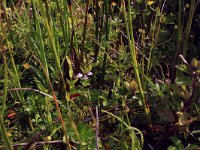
x: 131, y: 43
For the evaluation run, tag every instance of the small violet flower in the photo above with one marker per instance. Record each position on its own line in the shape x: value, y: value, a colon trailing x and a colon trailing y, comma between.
x: 79, y: 75
x: 90, y: 73
x: 85, y: 76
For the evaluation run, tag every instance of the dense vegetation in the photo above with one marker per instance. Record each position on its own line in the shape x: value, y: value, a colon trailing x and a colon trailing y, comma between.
x: 100, y: 74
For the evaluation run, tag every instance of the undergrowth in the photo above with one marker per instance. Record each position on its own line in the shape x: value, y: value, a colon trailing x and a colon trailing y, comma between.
x: 109, y: 74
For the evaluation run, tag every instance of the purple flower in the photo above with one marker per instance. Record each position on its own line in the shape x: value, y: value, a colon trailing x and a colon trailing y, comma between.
x: 90, y: 73
x: 79, y: 75
x: 84, y: 76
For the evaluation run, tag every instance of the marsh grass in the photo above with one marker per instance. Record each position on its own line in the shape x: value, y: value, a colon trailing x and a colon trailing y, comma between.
x: 94, y: 75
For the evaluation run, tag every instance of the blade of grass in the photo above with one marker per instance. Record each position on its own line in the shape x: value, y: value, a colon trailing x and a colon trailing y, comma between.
x: 97, y: 128
x: 5, y: 91
x: 54, y: 46
x: 4, y: 134
x: 66, y: 29
x: 179, y: 41
x: 136, y: 145
x: 96, y: 21
x: 179, y: 22
x: 183, y: 38
x: 84, y: 32
x: 155, y: 34
x: 131, y: 43
x: 188, y: 27
x: 40, y: 50
x: 51, y: 39
x: 57, y: 105
x: 103, y: 70
x: 63, y: 25
x: 15, y: 77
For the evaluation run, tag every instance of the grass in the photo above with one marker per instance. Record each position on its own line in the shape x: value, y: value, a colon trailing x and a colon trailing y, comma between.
x: 99, y: 75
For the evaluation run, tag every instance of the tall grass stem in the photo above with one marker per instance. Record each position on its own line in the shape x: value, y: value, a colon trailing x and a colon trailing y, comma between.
x: 131, y: 42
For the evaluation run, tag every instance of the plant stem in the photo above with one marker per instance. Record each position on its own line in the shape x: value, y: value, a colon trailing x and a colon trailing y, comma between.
x: 132, y: 47
x: 57, y: 106
x: 106, y: 48
x: 188, y: 27
x: 179, y: 42
x: 4, y: 135
x: 5, y: 91
x: 96, y: 19
x: 84, y: 32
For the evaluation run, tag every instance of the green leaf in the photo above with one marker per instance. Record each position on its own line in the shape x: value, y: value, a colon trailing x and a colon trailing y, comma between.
x: 183, y: 81
x: 182, y: 67
x: 177, y: 143
x: 166, y: 114
x: 70, y: 67
x: 196, y: 132
x: 181, y: 92
x: 197, y: 72
x: 194, y: 62
x: 172, y: 148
